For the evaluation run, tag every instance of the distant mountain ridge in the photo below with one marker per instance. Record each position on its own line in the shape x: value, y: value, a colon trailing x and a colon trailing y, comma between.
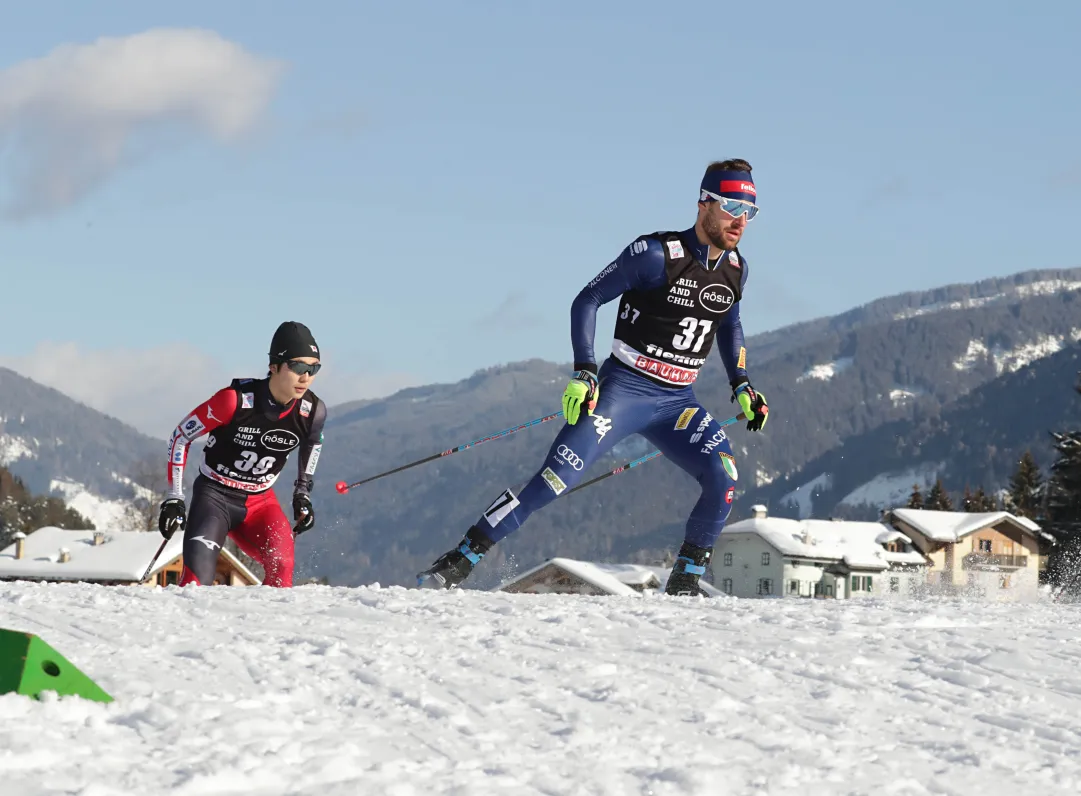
x: 46, y: 436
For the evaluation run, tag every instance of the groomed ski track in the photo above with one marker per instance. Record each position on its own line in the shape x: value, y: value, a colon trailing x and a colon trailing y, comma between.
x: 321, y: 690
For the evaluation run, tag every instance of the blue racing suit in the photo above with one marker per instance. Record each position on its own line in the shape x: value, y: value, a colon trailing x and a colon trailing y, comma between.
x: 670, y: 417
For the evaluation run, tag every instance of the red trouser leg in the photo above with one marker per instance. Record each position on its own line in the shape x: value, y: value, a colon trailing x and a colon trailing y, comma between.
x: 267, y: 536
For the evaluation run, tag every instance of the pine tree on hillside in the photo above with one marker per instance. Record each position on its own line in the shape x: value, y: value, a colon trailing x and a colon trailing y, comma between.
x: 1063, y: 511
x: 915, y: 500
x: 982, y: 502
x: 22, y: 511
x: 1026, y: 488
x: 939, y: 498
x: 968, y: 503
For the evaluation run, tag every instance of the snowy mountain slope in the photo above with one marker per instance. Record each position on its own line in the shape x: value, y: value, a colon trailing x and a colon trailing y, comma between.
x: 916, y: 303
x: 975, y: 441
x: 328, y: 691
x: 46, y: 438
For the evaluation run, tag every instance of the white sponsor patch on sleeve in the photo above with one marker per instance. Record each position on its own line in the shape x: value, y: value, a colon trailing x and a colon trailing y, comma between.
x: 675, y: 249
x: 192, y: 427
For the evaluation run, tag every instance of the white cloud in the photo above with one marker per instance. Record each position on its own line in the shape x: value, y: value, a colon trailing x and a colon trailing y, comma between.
x: 152, y: 389
x: 72, y: 118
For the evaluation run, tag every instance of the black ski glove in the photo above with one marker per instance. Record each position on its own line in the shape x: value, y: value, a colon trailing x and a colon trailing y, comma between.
x: 171, y: 517
x: 303, y: 513
x: 752, y: 403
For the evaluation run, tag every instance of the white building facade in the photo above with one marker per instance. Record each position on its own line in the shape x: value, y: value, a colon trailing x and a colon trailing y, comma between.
x: 776, y: 557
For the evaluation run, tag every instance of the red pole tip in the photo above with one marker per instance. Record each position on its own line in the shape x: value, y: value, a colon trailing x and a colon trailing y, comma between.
x: 342, y: 487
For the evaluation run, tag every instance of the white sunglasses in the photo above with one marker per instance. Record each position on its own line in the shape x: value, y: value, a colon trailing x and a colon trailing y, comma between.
x: 734, y: 207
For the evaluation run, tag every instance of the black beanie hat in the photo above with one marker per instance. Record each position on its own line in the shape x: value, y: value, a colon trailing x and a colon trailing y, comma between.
x: 292, y: 340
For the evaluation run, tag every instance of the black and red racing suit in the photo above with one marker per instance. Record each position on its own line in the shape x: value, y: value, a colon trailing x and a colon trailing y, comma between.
x: 251, y: 437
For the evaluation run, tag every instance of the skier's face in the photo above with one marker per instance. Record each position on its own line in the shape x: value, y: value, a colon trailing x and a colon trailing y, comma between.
x: 722, y: 230
x: 288, y: 382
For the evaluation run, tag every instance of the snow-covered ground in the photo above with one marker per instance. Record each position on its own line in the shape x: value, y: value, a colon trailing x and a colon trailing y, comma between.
x: 802, y: 497
x: 1014, y: 359
x: 14, y: 448
x: 105, y: 513
x: 826, y: 371
x: 894, y: 488
x: 322, y: 690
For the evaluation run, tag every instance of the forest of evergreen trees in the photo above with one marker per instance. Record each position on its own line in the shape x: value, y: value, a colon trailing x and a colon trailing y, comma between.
x: 22, y: 511
x: 1053, y: 503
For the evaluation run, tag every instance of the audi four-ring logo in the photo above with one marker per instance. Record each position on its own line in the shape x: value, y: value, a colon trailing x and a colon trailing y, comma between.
x: 570, y: 457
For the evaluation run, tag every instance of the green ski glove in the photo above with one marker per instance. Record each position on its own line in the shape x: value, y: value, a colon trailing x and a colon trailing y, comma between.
x: 752, y: 403
x: 582, y: 390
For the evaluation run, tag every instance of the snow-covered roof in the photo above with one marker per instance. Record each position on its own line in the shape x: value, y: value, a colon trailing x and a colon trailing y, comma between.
x: 856, y: 544
x: 891, y: 535
x: 615, y: 579
x: 123, y: 556
x: 952, y: 526
x: 1030, y: 524
x: 593, y: 574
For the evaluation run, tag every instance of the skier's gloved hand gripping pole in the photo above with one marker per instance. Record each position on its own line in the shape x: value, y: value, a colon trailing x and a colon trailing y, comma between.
x: 344, y: 487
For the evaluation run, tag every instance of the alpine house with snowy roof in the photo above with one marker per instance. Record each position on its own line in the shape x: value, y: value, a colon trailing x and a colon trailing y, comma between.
x: 993, y: 550
x: 110, y: 558
x: 571, y: 576
x: 773, y: 556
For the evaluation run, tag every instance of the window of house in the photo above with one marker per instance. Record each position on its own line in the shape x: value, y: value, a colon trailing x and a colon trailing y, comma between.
x: 765, y: 586
x: 728, y: 559
x: 985, y: 545
x: 855, y: 583
x: 765, y: 559
x: 867, y: 584
x: 895, y: 585
x: 793, y: 587
x: 726, y: 585
x: 172, y: 577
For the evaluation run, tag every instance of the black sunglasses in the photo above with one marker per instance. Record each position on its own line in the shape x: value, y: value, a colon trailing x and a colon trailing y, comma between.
x: 300, y: 368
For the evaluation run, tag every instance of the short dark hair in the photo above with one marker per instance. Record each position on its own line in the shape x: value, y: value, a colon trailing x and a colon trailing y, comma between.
x: 735, y: 164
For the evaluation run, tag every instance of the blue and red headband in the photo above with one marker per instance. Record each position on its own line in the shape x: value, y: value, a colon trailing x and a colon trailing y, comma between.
x: 731, y: 185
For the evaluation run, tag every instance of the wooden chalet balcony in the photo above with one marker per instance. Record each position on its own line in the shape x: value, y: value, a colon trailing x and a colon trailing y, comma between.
x: 988, y: 560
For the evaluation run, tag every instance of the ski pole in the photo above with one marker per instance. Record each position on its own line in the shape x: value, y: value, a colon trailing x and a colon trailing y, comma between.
x: 641, y: 460
x: 343, y: 487
x: 153, y: 561
x: 617, y: 471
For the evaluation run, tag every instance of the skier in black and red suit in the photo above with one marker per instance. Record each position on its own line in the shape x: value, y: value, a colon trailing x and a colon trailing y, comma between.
x: 253, y: 424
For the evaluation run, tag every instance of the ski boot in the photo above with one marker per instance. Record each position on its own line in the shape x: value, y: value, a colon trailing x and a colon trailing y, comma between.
x: 453, y: 567
x: 690, y: 565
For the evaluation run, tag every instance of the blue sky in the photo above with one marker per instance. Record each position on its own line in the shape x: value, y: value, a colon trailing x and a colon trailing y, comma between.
x: 429, y: 184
